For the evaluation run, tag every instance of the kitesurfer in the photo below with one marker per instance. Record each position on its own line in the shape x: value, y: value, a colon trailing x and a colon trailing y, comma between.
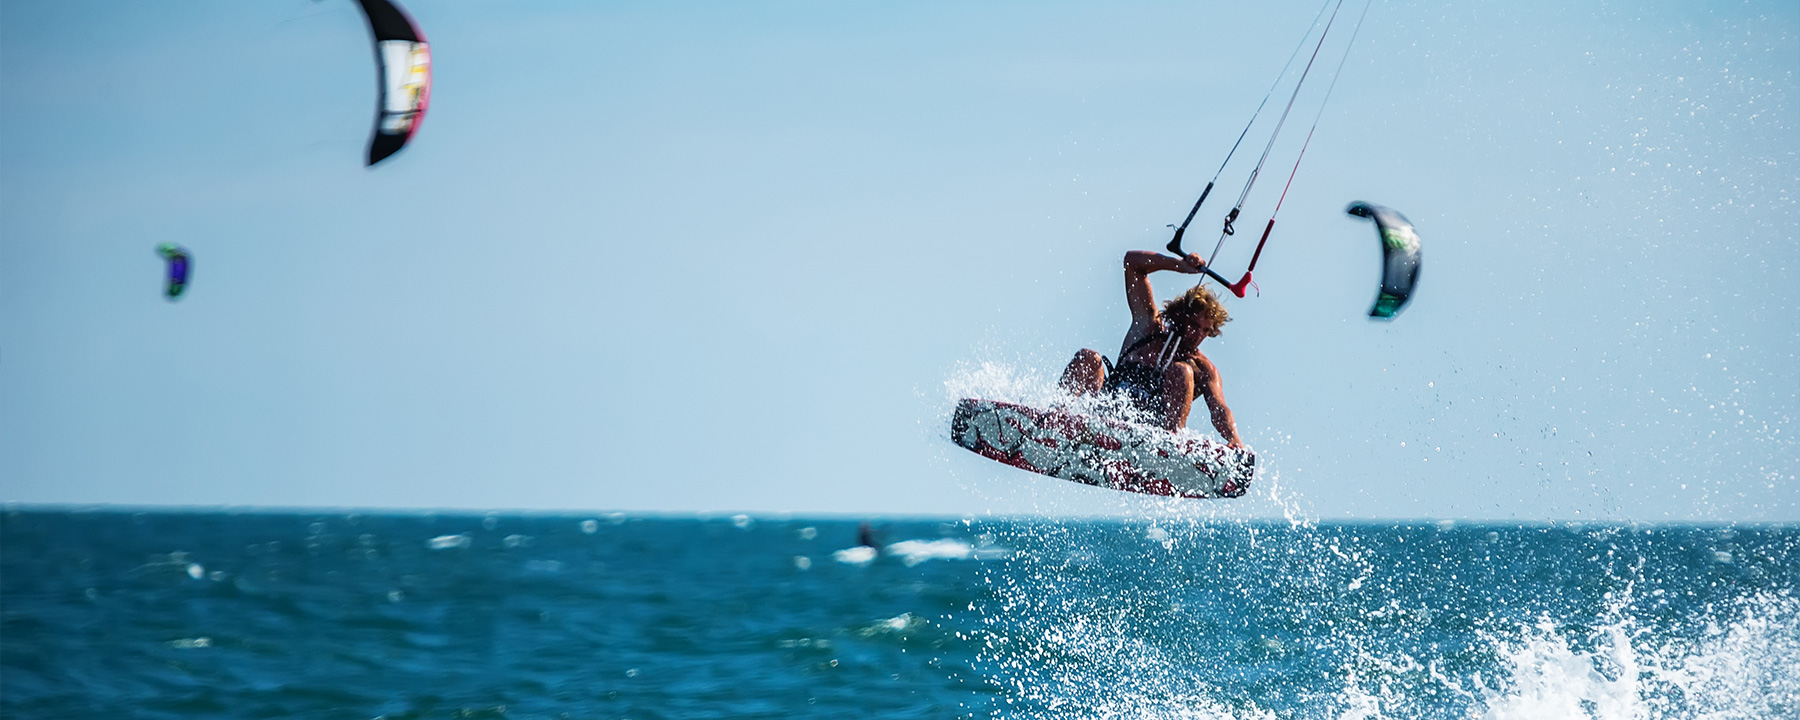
x: 1161, y: 369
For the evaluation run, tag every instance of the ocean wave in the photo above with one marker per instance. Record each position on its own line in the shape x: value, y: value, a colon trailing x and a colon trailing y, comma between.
x: 1174, y: 618
x: 1401, y: 623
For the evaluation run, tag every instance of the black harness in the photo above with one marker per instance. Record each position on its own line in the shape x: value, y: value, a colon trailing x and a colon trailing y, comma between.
x: 1138, y: 382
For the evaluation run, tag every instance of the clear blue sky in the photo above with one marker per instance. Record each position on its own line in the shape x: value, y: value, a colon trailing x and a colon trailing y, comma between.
x: 727, y: 256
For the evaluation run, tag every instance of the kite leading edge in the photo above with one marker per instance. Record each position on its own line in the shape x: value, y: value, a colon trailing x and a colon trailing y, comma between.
x: 1400, y: 257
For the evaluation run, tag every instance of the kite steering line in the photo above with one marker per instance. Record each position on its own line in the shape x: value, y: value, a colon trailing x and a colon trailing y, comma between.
x: 1238, y: 288
x: 1175, y: 244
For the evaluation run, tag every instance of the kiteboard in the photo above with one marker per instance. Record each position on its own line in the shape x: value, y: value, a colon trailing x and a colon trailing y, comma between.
x: 1104, y: 452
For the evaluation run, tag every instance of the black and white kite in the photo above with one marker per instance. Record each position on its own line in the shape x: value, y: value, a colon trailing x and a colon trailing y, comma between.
x: 1400, y: 257
x: 404, y: 60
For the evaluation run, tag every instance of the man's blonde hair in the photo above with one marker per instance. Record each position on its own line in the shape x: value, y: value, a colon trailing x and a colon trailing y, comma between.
x: 1198, y: 303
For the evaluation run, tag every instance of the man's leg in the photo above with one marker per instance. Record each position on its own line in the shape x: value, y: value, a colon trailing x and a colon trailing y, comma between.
x: 1085, y: 374
x: 1177, y: 395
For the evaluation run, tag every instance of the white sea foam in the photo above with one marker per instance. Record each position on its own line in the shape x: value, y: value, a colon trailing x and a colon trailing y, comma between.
x: 1092, y: 663
x: 1616, y: 671
x: 859, y: 555
x: 1747, y: 672
x: 913, y: 552
x: 897, y: 625
x: 447, y: 542
x: 1546, y: 678
x: 1026, y: 386
x: 1004, y: 382
x: 1085, y: 645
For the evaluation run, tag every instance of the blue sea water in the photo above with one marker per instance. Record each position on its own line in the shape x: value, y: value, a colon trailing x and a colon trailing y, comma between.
x: 222, y: 615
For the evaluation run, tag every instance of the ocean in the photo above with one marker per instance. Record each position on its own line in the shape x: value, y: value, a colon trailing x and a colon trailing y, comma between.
x: 267, y: 614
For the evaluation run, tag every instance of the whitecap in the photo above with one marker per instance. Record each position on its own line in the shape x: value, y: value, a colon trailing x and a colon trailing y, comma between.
x: 913, y: 552
x: 893, y: 626
x: 446, y: 542
x: 859, y: 555
x: 1545, y: 676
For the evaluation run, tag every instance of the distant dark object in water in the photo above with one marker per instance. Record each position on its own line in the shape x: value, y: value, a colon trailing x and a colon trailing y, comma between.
x: 180, y: 265
x: 1400, y: 257
x: 865, y: 536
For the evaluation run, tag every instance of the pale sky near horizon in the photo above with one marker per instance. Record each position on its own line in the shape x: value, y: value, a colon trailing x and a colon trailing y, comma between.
x: 699, y: 256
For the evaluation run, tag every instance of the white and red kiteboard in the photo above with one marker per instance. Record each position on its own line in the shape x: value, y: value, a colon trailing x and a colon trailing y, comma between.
x: 1101, y: 451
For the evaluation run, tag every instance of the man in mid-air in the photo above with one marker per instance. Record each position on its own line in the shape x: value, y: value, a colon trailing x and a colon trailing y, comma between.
x: 1160, y: 368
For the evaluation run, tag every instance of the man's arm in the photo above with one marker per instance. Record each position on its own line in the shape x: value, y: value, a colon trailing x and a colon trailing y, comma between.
x: 1211, y: 389
x: 1138, y: 266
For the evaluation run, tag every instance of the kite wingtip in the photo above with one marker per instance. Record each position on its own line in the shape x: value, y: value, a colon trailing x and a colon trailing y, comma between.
x: 376, y: 155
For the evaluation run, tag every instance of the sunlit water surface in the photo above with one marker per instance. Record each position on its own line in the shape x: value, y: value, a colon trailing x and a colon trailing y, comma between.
x: 261, y: 615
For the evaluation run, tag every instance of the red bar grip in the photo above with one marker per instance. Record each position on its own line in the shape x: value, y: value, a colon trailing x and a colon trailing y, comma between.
x: 1238, y: 288
x: 1259, y: 246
